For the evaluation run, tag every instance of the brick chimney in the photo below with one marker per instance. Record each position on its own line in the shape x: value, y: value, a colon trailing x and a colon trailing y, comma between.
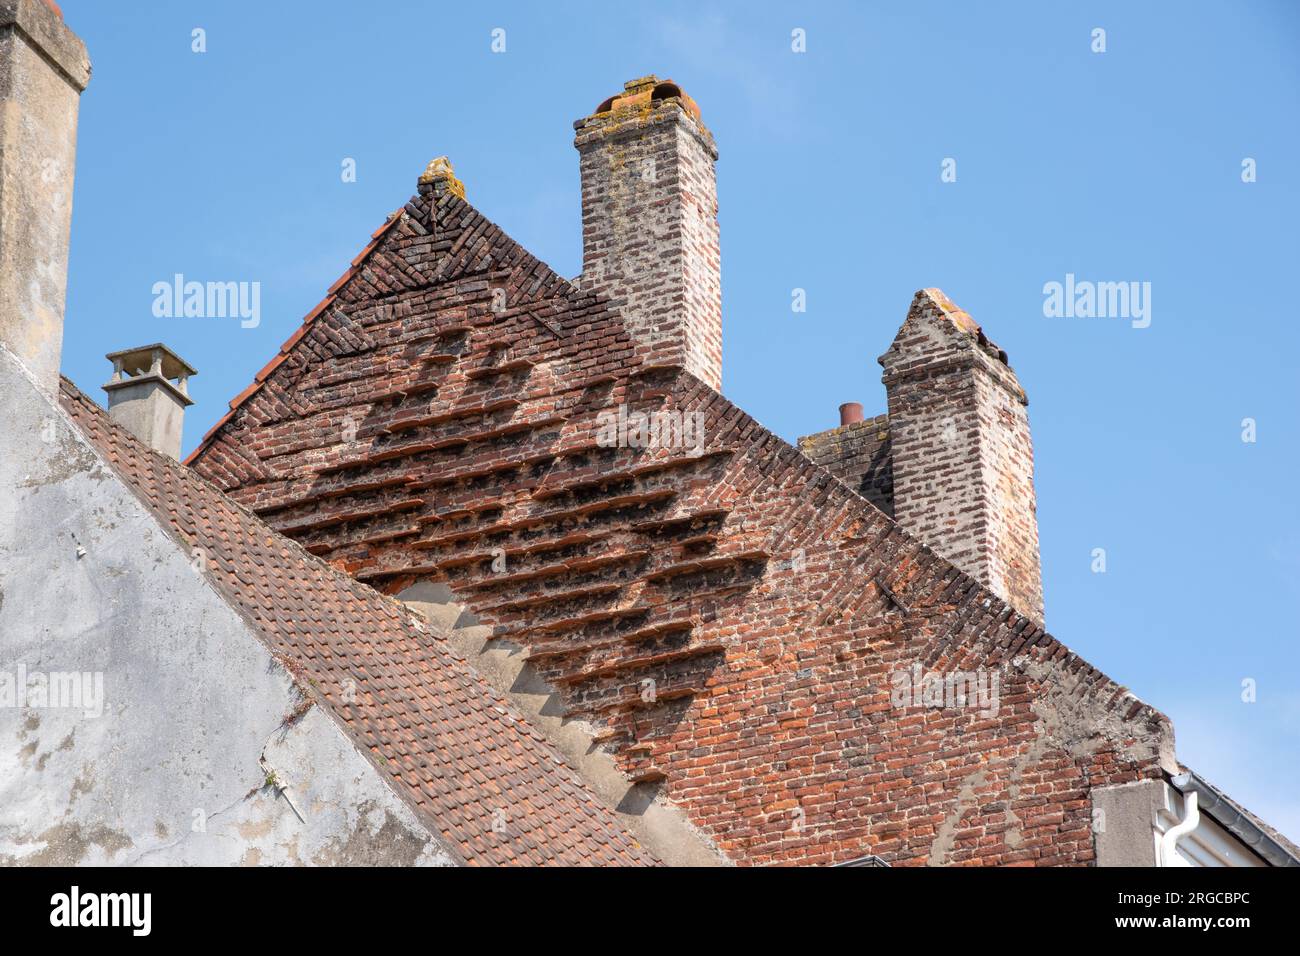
x: 650, y: 222
x: 963, y: 462
x: 148, y: 395
x: 43, y: 69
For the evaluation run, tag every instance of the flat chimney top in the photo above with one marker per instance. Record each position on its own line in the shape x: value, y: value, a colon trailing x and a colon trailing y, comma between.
x: 156, y: 362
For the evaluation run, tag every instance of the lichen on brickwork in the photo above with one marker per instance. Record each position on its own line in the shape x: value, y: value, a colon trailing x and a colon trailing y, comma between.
x: 440, y: 170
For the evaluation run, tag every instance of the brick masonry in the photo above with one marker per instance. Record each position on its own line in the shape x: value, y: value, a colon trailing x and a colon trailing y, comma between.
x: 650, y: 222
x: 963, y: 461
x: 861, y: 455
x: 464, y: 759
x: 952, y: 460
x: 729, y: 620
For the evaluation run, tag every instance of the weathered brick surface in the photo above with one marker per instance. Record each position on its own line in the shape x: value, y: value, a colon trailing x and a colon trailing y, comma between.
x: 730, y: 622
x: 963, y: 461
x: 650, y: 222
x: 861, y: 455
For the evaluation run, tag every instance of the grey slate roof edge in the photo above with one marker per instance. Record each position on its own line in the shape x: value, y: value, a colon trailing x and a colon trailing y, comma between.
x: 1267, y: 843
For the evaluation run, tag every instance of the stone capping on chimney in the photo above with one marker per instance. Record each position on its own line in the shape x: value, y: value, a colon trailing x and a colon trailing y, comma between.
x: 155, y: 363
x: 962, y: 453
x: 148, y: 395
x: 41, y: 26
x: 978, y: 351
x: 645, y: 102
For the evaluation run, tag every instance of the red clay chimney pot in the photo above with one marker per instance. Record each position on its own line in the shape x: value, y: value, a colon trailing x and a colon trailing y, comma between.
x: 850, y: 412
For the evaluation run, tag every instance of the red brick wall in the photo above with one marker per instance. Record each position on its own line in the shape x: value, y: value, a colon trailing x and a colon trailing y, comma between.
x: 861, y: 455
x: 731, y: 623
x: 963, y: 461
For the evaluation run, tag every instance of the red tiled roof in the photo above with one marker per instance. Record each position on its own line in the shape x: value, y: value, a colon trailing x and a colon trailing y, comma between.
x: 462, y: 756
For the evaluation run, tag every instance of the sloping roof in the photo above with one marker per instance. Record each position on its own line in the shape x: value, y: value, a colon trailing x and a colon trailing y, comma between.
x: 418, y: 431
x: 315, y: 313
x: 1264, y: 840
x: 466, y: 759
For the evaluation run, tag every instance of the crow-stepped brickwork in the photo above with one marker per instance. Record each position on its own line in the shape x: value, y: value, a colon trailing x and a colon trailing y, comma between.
x: 483, y: 569
x: 729, y: 619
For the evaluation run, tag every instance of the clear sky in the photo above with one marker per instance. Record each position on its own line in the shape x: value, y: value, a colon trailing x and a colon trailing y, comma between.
x: 1119, y: 166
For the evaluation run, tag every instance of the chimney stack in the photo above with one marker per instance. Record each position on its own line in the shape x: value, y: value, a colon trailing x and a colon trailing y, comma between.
x: 963, y: 462
x: 148, y: 395
x: 43, y: 69
x: 650, y: 222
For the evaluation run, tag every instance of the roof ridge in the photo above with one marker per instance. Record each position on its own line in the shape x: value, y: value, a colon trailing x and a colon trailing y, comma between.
x: 486, y: 227
x: 331, y: 295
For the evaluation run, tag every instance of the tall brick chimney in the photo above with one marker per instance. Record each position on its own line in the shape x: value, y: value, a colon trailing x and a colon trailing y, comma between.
x: 43, y: 69
x: 963, y: 462
x: 650, y: 222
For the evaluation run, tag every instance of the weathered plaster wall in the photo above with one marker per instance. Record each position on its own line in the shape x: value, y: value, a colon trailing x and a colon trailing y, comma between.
x: 195, y: 710
x: 1122, y: 822
x: 43, y: 69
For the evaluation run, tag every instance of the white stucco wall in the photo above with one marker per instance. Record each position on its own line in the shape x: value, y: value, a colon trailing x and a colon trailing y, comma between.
x: 170, y: 772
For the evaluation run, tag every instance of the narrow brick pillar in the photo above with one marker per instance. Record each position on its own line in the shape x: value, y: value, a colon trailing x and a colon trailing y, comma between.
x: 963, y: 462
x: 650, y: 222
x: 43, y: 69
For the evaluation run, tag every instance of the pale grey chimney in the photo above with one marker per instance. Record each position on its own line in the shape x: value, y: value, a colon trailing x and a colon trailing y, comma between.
x: 148, y: 395
x: 43, y: 69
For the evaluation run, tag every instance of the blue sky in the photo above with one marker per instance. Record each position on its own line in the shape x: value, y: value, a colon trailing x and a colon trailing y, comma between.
x: 1117, y: 166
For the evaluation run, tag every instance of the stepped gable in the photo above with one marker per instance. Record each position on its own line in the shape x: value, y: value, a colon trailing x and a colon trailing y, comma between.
x: 728, y: 619
x: 465, y: 759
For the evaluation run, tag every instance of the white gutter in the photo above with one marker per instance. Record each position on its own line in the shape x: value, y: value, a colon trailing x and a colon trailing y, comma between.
x: 1168, y: 842
x: 1231, y: 816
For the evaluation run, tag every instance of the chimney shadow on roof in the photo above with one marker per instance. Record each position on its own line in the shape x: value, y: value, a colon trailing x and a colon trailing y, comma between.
x: 639, y: 797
